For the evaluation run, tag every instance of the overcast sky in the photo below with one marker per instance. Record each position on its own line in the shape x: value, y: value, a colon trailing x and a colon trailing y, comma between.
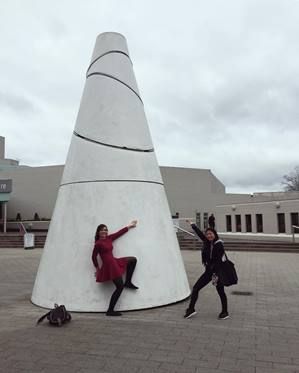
x: 219, y: 80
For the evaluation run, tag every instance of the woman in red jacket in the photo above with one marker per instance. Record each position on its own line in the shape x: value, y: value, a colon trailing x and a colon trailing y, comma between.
x: 112, y: 268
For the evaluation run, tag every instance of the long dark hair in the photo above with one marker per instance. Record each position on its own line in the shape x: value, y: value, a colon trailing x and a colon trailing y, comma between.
x: 213, y: 231
x: 100, y: 227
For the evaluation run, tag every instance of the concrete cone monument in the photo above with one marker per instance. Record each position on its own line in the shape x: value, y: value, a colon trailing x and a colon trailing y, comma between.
x: 111, y: 176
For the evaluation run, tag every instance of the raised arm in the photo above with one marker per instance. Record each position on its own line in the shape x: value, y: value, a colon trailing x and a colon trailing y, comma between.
x: 124, y: 230
x: 197, y: 230
x: 117, y: 234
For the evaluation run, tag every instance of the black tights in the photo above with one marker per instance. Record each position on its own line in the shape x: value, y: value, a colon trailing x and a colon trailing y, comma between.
x: 118, y: 282
x: 132, y: 261
x: 204, y: 279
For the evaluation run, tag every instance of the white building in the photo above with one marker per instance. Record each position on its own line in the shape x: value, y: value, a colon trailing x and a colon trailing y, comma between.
x: 274, y: 212
x: 193, y: 193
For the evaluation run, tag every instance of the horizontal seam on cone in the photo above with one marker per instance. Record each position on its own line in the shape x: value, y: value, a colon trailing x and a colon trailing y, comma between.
x: 114, y: 78
x: 111, y: 181
x: 114, y: 146
x: 105, y: 54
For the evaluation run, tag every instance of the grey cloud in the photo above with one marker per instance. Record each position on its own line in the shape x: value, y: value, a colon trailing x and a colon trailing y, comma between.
x: 57, y: 28
x: 17, y: 103
x: 218, y: 79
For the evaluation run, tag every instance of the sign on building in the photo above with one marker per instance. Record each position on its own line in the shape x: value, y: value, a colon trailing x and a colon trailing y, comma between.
x: 5, y: 186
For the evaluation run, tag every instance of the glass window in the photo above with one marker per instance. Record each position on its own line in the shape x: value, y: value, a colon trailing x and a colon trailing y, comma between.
x: 295, y: 218
x: 281, y: 223
x: 259, y: 223
x: 228, y: 223
x: 295, y: 221
x: 198, y: 219
x: 238, y: 223
x: 248, y: 223
x: 205, y: 220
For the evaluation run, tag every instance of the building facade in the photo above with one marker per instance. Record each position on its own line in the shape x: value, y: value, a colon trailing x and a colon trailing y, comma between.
x: 269, y: 213
x: 192, y: 193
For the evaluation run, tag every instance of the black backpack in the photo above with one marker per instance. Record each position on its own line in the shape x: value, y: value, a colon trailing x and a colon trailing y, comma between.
x: 57, y: 316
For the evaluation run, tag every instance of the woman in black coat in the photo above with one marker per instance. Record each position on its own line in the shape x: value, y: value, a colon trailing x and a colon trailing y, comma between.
x: 212, y: 253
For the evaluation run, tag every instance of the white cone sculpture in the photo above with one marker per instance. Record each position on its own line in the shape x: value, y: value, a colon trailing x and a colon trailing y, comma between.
x: 111, y: 176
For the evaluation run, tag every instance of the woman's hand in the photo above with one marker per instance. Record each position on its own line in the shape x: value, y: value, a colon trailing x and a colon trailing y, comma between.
x: 189, y: 221
x: 132, y: 224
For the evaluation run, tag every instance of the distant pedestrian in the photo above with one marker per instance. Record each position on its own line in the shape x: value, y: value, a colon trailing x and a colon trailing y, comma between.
x: 113, y: 268
x: 211, y: 221
x: 212, y: 253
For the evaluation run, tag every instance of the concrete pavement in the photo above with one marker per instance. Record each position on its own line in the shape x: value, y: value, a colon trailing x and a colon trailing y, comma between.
x: 261, y: 336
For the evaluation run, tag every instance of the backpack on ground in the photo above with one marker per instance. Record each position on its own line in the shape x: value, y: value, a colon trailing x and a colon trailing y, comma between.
x: 57, y: 316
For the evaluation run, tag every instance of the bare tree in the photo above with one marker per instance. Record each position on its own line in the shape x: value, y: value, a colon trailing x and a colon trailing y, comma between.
x: 291, y: 181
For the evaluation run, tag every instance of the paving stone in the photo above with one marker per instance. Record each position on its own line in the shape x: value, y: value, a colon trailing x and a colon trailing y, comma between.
x: 175, y: 368
x: 261, y: 336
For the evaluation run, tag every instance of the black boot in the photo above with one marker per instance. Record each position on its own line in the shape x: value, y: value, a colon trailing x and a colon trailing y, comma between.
x: 113, y: 313
x: 130, y: 270
x: 114, y: 298
x: 129, y: 285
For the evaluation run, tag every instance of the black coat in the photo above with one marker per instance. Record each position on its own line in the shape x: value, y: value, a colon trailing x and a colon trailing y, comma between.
x: 212, y: 251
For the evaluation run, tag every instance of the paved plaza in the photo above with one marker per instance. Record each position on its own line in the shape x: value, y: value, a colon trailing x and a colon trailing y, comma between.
x: 261, y: 336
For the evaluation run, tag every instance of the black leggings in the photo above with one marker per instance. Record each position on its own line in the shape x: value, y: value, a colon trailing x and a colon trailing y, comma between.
x: 118, y: 282
x: 204, y: 279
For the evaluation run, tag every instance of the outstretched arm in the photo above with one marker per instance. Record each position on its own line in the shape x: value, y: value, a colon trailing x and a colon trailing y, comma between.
x: 122, y: 231
x: 197, y: 230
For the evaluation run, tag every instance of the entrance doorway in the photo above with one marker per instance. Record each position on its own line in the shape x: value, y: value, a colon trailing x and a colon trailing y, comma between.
x: 294, y: 218
x: 281, y: 223
x: 238, y: 223
x: 228, y: 223
x: 3, y: 216
x: 295, y: 221
x: 198, y: 220
x: 248, y: 223
x: 259, y: 223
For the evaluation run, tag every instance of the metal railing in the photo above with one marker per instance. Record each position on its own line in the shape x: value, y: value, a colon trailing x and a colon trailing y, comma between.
x: 176, y: 224
x: 22, y: 227
x: 184, y: 230
x: 18, y: 226
x: 26, y: 226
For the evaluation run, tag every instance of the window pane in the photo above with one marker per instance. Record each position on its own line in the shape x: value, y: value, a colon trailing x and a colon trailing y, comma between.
x: 248, y: 223
x: 228, y: 223
x: 295, y: 221
x: 205, y: 220
x: 259, y: 223
x: 198, y: 220
x: 294, y: 218
x: 238, y: 223
x: 281, y: 223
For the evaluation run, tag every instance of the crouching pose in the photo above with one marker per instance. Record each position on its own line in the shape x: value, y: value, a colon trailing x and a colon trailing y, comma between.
x: 113, y: 268
x: 212, y: 253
